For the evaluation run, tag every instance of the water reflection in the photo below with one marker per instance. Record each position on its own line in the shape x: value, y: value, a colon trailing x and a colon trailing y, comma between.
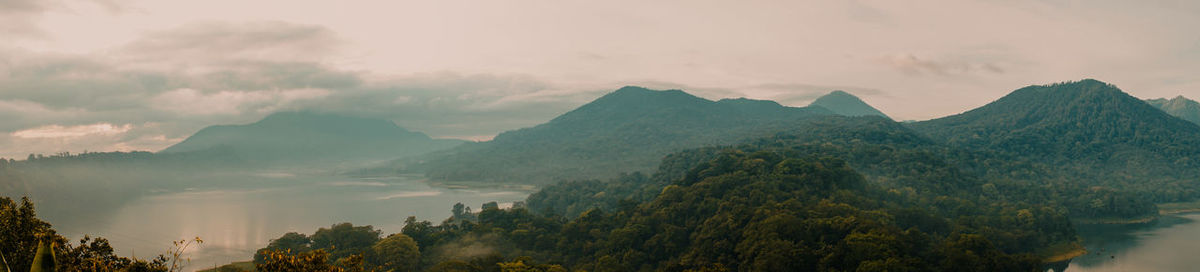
x: 245, y: 211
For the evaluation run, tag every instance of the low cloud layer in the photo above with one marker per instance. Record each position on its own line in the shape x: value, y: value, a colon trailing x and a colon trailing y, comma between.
x: 141, y: 97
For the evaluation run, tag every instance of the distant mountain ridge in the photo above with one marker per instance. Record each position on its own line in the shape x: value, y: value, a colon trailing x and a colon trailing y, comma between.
x: 1179, y: 106
x: 627, y: 130
x: 310, y: 136
x: 846, y: 104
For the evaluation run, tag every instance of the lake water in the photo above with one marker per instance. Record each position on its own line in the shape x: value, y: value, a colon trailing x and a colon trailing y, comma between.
x: 244, y: 212
x: 1170, y: 244
x: 235, y: 214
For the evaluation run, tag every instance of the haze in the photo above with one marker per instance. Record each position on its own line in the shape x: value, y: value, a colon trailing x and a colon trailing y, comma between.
x: 121, y: 75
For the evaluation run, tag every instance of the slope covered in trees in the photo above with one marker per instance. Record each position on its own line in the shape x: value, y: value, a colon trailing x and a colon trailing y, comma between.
x: 313, y: 137
x: 1095, y: 136
x: 846, y: 104
x: 627, y: 130
x: 1179, y: 106
x: 781, y: 204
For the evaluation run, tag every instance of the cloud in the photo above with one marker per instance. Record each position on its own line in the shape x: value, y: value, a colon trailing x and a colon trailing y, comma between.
x: 219, y: 42
x: 57, y: 131
x: 192, y: 102
x: 19, y: 18
x: 912, y: 65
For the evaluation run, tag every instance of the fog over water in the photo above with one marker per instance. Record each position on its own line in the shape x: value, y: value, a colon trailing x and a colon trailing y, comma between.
x: 237, y: 219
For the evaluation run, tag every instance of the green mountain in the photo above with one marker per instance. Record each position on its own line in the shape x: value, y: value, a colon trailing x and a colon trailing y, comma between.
x: 846, y: 104
x: 313, y: 137
x: 832, y: 194
x: 1179, y: 106
x: 627, y: 130
x: 1096, y: 137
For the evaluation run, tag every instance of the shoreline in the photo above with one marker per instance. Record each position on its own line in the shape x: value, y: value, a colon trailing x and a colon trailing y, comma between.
x: 1065, y: 256
x: 1179, y: 211
x: 1117, y: 221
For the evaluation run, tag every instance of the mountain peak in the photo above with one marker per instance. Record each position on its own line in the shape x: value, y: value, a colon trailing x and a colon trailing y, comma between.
x: 303, y: 135
x: 843, y: 103
x: 1078, y: 114
x: 1179, y: 106
x: 636, y: 92
x: 749, y: 102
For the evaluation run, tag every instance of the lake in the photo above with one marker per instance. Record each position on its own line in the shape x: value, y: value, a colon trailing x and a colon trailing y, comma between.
x: 240, y: 213
x: 1168, y: 244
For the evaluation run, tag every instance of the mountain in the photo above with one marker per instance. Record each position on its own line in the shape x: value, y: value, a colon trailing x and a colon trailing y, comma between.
x: 627, y: 130
x: 1092, y: 133
x: 1179, y: 106
x: 846, y: 104
x: 313, y: 137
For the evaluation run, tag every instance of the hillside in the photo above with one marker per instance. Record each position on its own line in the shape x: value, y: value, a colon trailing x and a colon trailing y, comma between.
x: 835, y: 194
x: 312, y: 137
x: 627, y: 130
x: 846, y: 104
x: 1091, y: 131
x: 1179, y: 106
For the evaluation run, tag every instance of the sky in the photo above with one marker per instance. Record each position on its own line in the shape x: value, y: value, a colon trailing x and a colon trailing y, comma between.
x: 121, y: 75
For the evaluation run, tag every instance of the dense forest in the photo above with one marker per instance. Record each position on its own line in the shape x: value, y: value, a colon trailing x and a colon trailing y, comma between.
x: 773, y: 208
x: 1100, y: 141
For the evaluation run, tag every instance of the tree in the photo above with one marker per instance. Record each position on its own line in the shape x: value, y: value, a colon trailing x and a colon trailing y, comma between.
x: 20, y: 230
x: 458, y: 210
x: 286, y: 261
x: 295, y: 242
x: 342, y: 240
x: 397, y: 252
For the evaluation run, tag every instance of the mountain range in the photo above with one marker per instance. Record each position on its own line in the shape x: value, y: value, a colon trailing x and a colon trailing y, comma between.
x: 289, y: 137
x: 627, y: 130
x: 1179, y: 106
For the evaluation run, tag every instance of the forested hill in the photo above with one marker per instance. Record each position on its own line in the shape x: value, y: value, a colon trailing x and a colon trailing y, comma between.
x: 1179, y: 106
x: 628, y: 130
x: 833, y: 194
x: 1092, y: 130
x: 308, y: 136
x: 846, y: 104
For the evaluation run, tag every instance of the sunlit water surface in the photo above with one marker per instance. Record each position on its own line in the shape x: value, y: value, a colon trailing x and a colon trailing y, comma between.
x: 244, y: 213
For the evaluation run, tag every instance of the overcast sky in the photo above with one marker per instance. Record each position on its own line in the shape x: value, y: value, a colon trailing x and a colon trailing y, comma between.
x: 110, y: 75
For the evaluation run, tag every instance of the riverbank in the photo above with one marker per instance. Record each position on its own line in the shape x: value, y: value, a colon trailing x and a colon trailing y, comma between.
x: 1179, y: 207
x: 1063, y: 252
x: 1115, y: 220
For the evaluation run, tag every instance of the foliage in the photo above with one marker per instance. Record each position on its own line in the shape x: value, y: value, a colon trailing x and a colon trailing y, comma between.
x: 397, y: 252
x: 308, y: 261
x: 1105, y: 153
x: 27, y: 240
